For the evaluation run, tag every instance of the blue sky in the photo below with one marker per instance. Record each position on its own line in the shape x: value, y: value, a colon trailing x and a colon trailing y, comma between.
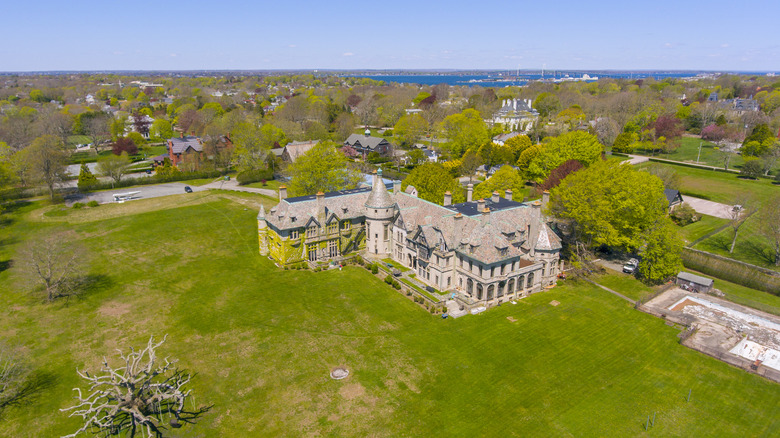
x: 582, y: 35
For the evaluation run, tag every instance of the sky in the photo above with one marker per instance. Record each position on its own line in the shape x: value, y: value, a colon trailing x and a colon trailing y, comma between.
x: 90, y: 35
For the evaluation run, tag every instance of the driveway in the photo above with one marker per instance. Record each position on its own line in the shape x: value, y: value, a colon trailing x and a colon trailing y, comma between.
x: 233, y: 185
x: 636, y: 159
x: 150, y: 191
x: 709, y: 208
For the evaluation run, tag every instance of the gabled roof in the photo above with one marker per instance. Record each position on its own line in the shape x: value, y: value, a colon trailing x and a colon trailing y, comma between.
x: 365, y: 141
x: 298, y: 148
x: 181, y: 145
x: 671, y: 195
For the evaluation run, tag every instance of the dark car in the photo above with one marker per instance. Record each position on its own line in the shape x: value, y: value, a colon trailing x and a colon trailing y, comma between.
x: 188, y: 189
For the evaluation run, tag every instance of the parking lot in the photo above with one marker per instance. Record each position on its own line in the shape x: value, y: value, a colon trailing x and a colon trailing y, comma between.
x: 150, y: 191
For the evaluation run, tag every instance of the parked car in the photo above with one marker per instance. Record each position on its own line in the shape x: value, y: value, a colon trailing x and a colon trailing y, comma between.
x: 630, y: 266
x: 188, y: 189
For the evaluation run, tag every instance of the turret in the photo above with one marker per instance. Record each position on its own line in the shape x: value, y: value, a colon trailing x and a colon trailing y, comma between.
x: 380, y: 209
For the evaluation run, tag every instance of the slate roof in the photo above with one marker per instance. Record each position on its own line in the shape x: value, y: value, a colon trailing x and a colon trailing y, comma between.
x: 379, y: 197
x: 298, y: 148
x: 364, y: 141
x: 671, y: 195
x: 505, y: 137
x: 180, y: 145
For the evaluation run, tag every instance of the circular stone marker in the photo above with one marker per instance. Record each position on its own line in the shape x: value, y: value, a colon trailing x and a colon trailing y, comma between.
x: 339, y: 373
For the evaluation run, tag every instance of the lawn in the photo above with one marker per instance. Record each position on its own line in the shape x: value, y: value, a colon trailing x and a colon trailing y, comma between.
x: 696, y: 230
x: 625, y: 284
x: 751, y: 246
x: 396, y: 265
x: 263, y: 340
x: 720, y: 186
x: 270, y: 185
x: 689, y: 152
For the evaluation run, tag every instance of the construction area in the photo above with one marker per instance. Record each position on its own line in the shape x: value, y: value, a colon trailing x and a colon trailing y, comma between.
x: 735, y: 334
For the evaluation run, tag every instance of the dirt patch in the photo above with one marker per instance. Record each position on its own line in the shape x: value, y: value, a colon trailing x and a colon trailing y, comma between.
x: 683, y: 304
x: 352, y: 391
x: 554, y: 303
x: 114, y: 309
x: 511, y: 319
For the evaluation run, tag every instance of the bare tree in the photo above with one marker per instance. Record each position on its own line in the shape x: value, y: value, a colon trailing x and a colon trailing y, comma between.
x: 769, y: 225
x: 47, y: 159
x: 54, y: 262
x: 738, y: 214
x: 97, y: 128
x: 114, y: 166
x: 12, y: 377
x: 136, y: 397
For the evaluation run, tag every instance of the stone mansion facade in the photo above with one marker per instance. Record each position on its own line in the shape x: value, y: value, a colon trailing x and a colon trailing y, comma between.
x: 490, y: 250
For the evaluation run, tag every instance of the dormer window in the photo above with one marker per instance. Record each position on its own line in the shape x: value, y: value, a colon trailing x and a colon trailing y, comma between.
x: 332, y: 227
x: 294, y: 235
x: 293, y: 219
x: 345, y: 226
x: 311, y: 231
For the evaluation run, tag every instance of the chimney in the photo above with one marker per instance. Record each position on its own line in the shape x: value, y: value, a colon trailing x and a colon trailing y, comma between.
x: 374, y: 178
x: 447, y: 198
x: 480, y: 205
x: 321, y: 215
x: 545, y: 199
x: 396, y: 186
x: 508, y: 194
x: 495, y: 197
x: 469, y: 192
x: 458, y: 216
x: 282, y: 192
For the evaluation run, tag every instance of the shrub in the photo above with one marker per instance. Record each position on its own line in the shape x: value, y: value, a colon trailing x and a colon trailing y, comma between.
x: 396, y: 285
x: 252, y: 176
x: 389, y: 279
x: 444, y: 309
x: 374, y: 269
x: 684, y: 214
x: 78, y: 205
x: 752, y: 169
x: 92, y: 204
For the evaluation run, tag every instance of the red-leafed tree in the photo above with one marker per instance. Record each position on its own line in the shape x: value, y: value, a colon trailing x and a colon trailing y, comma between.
x: 713, y: 133
x: 559, y: 173
x: 353, y: 100
x: 124, y: 144
x: 668, y: 126
x: 349, y: 151
x: 141, y: 124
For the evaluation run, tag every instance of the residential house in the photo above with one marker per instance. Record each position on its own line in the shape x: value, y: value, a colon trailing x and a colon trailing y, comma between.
x: 501, y: 138
x: 293, y: 150
x: 365, y: 144
x: 180, y: 147
x: 673, y: 197
x: 515, y: 115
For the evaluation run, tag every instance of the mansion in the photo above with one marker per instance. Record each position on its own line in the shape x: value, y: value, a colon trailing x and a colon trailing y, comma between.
x: 490, y: 250
x: 515, y: 115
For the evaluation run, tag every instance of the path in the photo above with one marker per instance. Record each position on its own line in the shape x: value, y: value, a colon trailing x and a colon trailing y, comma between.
x: 147, y: 191
x: 611, y: 291
x: 636, y: 159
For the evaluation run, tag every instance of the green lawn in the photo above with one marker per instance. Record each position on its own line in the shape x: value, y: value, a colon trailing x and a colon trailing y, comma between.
x: 78, y: 139
x: 396, y: 265
x: 270, y: 185
x: 719, y: 186
x: 625, y: 284
x: 263, y: 340
x: 751, y: 246
x: 694, y: 231
x: 689, y: 152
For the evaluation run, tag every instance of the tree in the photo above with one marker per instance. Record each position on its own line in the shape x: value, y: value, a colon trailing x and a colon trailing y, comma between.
x: 47, y: 161
x: 505, y: 178
x: 96, y: 127
x: 135, y: 398
x: 667, y: 174
x: 464, y: 131
x: 518, y: 144
x: 559, y: 174
x: 624, y: 143
x: 661, y: 254
x: 528, y: 155
x: 253, y: 144
x: 431, y: 181
x: 416, y: 157
x: 124, y: 145
x: 668, y: 126
x: 114, y: 166
x: 469, y: 163
x: 18, y: 383
x: 409, y: 129
x: 141, y: 123
x: 738, y: 214
x: 86, y: 179
x: 54, y: 263
x: 322, y: 169
x: 752, y: 168
x: 769, y: 226
x: 117, y: 128
x: 546, y: 104
x: 6, y: 168
x: 610, y: 204
x: 759, y: 134
x: 161, y: 128
x: 770, y: 157
x: 576, y: 145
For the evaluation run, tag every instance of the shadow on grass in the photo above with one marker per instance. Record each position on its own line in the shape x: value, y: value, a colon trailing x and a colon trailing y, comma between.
x: 93, y: 283
x: 761, y: 252
x: 5, y: 264
x: 30, y: 390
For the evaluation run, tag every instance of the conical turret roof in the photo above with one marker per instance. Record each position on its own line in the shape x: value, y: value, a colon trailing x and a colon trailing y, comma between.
x: 261, y: 214
x: 379, y: 197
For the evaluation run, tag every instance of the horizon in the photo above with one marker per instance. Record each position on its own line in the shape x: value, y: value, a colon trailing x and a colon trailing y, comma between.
x: 94, y: 36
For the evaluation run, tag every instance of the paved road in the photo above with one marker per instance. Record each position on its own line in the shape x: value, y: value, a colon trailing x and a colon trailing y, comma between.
x: 150, y: 191
x: 709, y: 208
x: 636, y: 159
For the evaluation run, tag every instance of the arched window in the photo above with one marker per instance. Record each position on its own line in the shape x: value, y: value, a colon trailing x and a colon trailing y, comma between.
x: 490, y: 292
x: 520, y: 282
x: 530, y: 280
x: 510, y: 286
x: 479, y: 291
x: 469, y: 286
x: 500, y: 289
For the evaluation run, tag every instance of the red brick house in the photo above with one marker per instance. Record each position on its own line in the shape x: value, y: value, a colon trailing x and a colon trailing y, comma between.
x: 179, y: 147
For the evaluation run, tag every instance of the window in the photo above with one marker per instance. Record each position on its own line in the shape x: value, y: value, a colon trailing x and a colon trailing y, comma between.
x: 490, y: 293
x: 479, y: 291
x: 345, y: 226
x: 520, y: 282
x: 294, y: 234
x: 510, y: 287
x: 311, y: 231
x: 502, y: 269
x: 500, y: 290
x: 332, y: 227
x: 469, y: 286
x: 333, y: 248
x: 311, y: 249
x: 530, y: 280
x: 449, y: 281
x: 386, y: 232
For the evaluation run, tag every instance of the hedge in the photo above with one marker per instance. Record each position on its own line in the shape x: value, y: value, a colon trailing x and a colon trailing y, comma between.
x: 253, y: 176
x: 754, y: 277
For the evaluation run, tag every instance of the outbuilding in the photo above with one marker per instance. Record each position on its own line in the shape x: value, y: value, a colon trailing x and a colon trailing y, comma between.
x: 694, y: 282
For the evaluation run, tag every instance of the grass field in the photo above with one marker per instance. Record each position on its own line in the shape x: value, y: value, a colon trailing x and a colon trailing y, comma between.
x: 270, y: 185
x: 751, y: 246
x: 696, y: 230
x: 263, y: 340
x: 689, y: 152
x: 625, y: 284
x: 720, y: 186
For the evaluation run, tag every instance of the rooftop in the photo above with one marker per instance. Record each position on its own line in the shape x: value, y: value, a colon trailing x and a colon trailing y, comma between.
x: 328, y: 195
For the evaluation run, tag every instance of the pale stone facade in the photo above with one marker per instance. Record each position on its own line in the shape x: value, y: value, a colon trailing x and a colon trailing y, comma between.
x: 488, y: 251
